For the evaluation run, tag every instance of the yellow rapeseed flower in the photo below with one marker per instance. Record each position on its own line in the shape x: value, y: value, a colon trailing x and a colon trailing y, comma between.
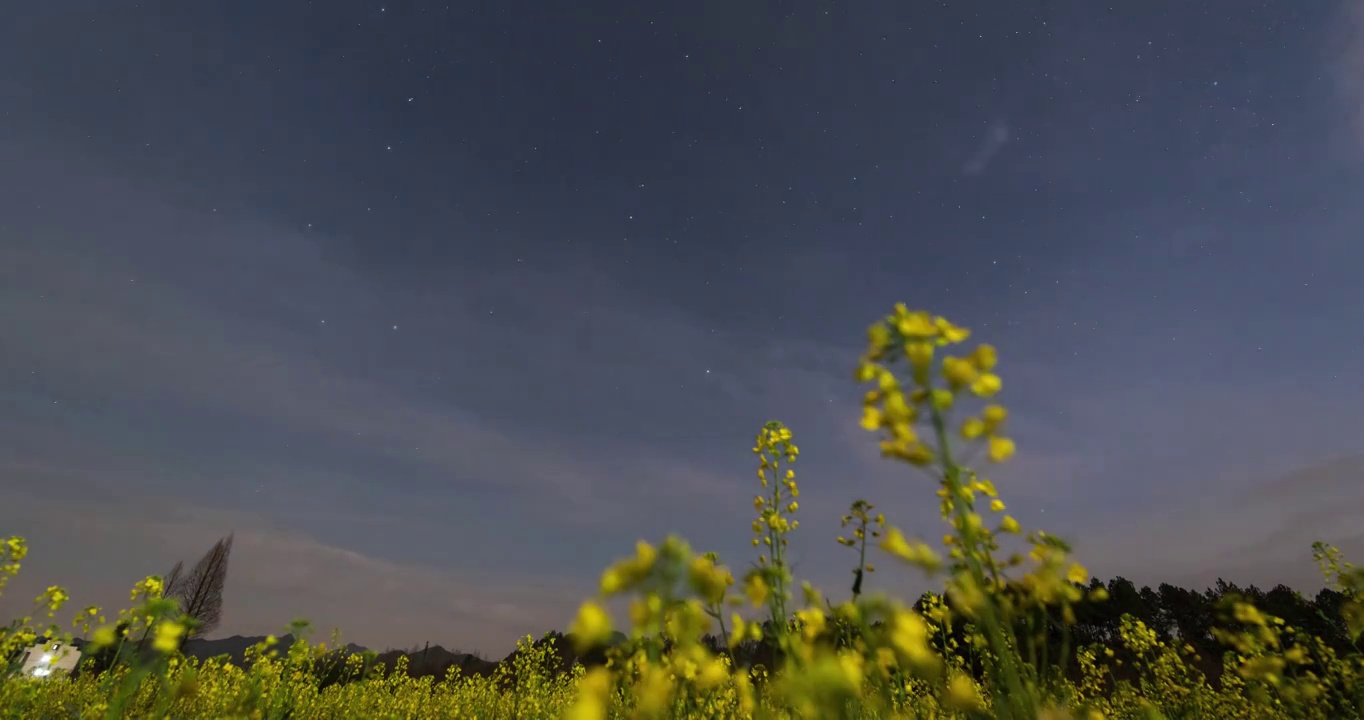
x: 962, y: 694
x: 104, y: 636
x: 916, y: 325
x: 918, y: 454
x: 985, y: 357
x: 918, y: 554
x: 708, y: 579
x: 645, y: 555
x: 592, y: 627
x: 1001, y: 449
x: 987, y: 385
x: 611, y: 581
x: 949, y: 333
x: 959, y: 372
x: 994, y: 416
x: 168, y: 635
x: 920, y: 355
x: 909, y: 637
x: 755, y: 587
x: 593, y: 692
x: 896, y: 410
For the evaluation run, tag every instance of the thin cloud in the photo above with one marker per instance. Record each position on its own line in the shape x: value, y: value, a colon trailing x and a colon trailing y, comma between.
x: 996, y: 137
x: 1259, y: 533
x: 172, y: 347
x: 1348, y: 63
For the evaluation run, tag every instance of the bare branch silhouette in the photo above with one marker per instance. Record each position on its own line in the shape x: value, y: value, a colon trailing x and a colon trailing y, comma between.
x: 201, y: 592
x: 173, y: 580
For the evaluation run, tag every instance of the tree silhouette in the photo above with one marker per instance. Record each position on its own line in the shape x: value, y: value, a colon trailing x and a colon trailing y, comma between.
x: 200, y: 593
x: 1177, y: 615
x: 173, y: 580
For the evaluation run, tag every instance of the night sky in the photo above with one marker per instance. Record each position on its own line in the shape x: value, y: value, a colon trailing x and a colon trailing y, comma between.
x: 441, y: 307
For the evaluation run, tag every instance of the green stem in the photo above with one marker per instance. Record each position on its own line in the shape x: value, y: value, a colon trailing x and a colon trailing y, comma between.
x: 778, y: 608
x: 861, y: 560
x: 1004, y: 669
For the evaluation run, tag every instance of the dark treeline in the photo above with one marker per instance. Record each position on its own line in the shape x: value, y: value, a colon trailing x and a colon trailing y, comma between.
x: 1188, y: 616
x: 1174, y: 614
x: 1177, y: 616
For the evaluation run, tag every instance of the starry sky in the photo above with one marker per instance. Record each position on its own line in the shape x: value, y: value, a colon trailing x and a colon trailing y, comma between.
x: 440, y: 307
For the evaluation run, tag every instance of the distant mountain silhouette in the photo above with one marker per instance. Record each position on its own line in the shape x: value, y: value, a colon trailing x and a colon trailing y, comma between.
x: 436, y: 661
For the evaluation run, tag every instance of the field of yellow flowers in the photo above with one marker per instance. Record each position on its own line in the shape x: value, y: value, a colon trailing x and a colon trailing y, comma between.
x: 981, y: 649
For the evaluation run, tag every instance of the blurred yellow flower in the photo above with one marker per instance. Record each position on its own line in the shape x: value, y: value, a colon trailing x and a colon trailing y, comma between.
x: 168, y: 634
x: 1001, y: 449
x: 592, y: 626
x: 987, y: 385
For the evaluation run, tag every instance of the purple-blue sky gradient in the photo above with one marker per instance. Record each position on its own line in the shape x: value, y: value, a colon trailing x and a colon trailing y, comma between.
x: 440, y: 308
